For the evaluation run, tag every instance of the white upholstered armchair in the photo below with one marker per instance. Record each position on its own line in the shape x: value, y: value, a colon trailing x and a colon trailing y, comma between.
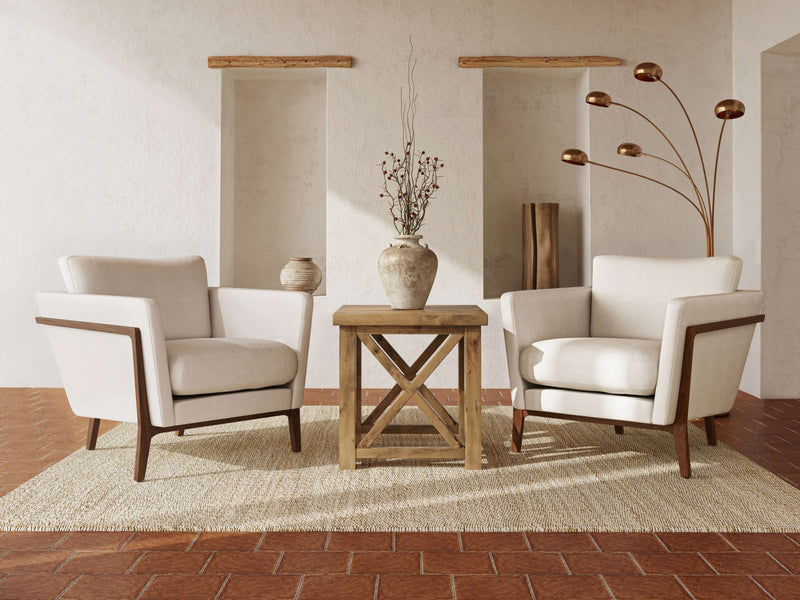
x: 148, y: 342
x: 652, y: 343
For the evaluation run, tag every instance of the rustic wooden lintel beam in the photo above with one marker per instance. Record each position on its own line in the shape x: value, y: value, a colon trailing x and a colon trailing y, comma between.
x: 278, y: 62
x: 537, y: 62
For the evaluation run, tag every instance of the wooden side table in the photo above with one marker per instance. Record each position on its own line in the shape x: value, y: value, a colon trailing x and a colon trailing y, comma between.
x: 452, y: 326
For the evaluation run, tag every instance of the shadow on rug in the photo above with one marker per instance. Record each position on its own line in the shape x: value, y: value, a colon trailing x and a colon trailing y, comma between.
x: 570, y: 476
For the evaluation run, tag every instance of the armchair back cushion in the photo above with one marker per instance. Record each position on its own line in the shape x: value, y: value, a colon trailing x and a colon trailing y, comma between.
x: 178, y: 285
x: 630, y: 294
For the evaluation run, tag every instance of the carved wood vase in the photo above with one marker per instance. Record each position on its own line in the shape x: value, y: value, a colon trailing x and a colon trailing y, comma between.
x: 407, y: 271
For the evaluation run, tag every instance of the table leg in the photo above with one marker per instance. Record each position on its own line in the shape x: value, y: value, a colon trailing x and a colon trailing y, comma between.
x: 348, y: 377
x: 358, y: 397
x: 472, y: 398
x: 461, y: 396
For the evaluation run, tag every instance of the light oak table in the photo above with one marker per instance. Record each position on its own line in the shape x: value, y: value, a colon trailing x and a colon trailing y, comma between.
x: 452, y: 326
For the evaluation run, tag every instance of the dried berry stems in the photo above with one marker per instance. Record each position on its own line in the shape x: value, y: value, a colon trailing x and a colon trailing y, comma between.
x: 411, y: 179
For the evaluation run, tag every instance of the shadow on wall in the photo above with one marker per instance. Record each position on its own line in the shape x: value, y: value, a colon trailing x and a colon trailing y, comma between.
x: 273, y: 175
x: 528, y: 116
x: 105, y: 40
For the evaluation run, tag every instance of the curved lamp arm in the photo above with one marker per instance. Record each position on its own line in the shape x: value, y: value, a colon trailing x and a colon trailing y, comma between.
x: 694, y: 134
x: 635, y: 151
x: 716, y: 164
x: 603, y: 100
x: 577, y: 157
x: 650, y: 72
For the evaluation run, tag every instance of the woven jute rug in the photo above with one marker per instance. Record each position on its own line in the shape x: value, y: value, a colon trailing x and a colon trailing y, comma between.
x: 243, y: 477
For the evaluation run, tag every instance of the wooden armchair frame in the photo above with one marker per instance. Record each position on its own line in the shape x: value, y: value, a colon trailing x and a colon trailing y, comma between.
x: 146, y: 430
x: 679, y: 428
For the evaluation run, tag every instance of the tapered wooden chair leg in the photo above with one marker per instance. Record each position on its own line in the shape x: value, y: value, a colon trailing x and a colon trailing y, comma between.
x: 294, y: 429
x: 681, y: 435
x: 516, y: 431
x: 91, y: 435
x: 711, y: 431
x: 142, y: 452
x: 179, y: 433
x: 619, y: 429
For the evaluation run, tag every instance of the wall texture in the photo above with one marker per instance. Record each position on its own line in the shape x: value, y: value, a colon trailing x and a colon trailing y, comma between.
x: 780, y: 214
x: 113, y: 140
x: 758, y: 26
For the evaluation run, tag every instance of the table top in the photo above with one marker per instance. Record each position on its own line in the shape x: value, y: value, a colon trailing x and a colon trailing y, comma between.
x: 460, y: 315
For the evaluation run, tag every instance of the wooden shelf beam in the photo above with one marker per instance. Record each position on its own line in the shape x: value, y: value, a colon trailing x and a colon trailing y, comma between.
x: 278, y: 62
x: 537, y: 62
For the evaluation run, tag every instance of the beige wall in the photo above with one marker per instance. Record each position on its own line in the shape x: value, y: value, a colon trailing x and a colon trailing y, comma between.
x: 115, y: 135
x: 758, y: 26
x: 780, y: 214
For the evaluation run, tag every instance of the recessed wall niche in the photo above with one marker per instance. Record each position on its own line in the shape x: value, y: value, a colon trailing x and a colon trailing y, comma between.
x: 273, y: 173
x: 529, y: 116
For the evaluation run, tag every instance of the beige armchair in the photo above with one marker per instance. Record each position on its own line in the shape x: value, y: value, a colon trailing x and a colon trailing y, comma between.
x: 652, y: 343
x: 148, y: 342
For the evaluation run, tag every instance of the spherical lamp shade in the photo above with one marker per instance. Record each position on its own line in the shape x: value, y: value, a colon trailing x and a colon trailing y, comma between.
x: 598, y: 99
x: 574, y: 156
x: 629, y: 149
x: 647, y: 72
x: 729, y: 109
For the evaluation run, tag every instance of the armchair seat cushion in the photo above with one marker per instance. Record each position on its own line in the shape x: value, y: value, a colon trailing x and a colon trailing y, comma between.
x: 216, y: 365
x: 610, y: 365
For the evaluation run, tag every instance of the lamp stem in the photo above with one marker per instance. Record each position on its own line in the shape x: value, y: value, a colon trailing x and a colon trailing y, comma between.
x: 669, y: 162
x: 711, y: 253
x: 671, y: 145
x: 689, y: 200
x: 681, y: 171
x: 716, y: 164
x: 694, y: 134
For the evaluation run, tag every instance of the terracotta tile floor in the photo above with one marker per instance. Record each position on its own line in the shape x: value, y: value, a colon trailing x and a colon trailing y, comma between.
x: 38, y: 429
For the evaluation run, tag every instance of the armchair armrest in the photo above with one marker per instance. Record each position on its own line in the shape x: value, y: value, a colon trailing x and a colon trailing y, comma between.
x: 718, y: 355
x: 532, y: 315
x: 97, y: 363
x: 277, y: 315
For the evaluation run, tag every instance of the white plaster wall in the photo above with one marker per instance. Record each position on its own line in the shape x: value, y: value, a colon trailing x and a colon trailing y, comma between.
x: 758, y: 25
x: 113, y: 138
x: 780, y: 210
x: 529, y: 116
x: 279, y: 173
x: 110, y: 145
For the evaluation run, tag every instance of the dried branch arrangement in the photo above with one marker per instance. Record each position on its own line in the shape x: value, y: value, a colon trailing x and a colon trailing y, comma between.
x: 410, y: 179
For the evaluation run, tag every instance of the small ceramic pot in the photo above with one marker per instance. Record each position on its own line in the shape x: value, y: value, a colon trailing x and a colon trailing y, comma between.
x: 301, y: 275
x: 407, y: 271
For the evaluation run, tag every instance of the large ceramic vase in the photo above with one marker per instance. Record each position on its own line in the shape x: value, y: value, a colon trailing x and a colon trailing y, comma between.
x: 407, y: 271
x: 301, y: 275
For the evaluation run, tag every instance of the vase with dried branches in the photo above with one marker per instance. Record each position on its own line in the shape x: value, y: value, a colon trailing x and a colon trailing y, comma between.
x: 410, y: 180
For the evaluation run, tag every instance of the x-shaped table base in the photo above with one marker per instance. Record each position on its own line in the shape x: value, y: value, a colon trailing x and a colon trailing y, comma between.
x: 462, y: 438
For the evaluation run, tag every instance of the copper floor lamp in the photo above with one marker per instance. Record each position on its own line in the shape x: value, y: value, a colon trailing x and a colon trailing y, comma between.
x: 704, y: 205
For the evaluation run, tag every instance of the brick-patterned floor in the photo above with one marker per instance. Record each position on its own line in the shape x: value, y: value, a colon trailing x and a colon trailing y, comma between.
x: 37, y: 429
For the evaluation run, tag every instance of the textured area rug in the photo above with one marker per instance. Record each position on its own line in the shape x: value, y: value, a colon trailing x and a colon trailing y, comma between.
x: 243, y: 477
